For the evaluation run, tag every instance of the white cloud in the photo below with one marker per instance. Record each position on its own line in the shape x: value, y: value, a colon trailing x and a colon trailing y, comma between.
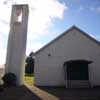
x: 41, y: 13
x: 92, y: 8
x: 80, y: 9
x: 44, y: 11
x: 33, y: 46
x: 41, y: 16
x: 98, y: 9
x: 95, y: 9
x: 2, y: 52
x: 98, y: 37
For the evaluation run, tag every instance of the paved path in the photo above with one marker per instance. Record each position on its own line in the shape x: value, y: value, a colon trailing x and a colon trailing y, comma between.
x: 44, y: 95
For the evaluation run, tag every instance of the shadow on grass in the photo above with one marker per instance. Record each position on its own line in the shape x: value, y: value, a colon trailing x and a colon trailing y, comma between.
x: 18, y: 93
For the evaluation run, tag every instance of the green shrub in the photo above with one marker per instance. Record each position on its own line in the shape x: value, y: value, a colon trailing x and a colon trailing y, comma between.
x: 9, y: 79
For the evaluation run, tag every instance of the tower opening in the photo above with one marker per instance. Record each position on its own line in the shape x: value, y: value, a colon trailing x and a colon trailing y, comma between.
x: 19, y: 15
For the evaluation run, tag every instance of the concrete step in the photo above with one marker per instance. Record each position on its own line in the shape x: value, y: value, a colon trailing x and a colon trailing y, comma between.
x: 78, y: 84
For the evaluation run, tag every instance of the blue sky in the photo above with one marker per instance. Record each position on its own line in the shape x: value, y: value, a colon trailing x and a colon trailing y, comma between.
x: 83, y: 13
x: 50, y: 18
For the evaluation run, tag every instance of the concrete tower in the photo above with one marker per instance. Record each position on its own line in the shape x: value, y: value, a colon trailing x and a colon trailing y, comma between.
x: 15, y: 61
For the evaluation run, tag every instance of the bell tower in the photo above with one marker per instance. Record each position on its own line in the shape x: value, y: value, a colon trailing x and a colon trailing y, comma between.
x: 15, y: 60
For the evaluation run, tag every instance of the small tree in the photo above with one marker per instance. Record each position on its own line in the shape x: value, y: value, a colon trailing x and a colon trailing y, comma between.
x: 29, y: 67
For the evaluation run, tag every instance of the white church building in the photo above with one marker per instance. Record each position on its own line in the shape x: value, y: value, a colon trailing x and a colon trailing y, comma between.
x: 71, y: 60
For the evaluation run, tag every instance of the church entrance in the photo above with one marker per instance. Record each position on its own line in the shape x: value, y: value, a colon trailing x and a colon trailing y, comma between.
x: 77, y: 73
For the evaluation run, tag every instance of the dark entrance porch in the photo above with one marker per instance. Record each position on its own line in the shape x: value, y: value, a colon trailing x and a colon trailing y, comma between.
x: 77, y: 74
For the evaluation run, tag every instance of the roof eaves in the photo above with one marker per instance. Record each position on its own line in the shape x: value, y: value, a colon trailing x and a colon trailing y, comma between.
x: 54, y: 40
x: 67, y: 31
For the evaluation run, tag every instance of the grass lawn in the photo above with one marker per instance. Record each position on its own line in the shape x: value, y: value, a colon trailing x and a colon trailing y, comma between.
x: 29, y: 79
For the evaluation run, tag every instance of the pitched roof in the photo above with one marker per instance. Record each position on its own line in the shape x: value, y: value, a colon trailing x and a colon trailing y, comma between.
x: 73, y: 27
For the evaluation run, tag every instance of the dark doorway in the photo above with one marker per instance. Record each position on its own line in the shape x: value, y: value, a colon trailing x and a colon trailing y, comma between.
x: 76, y: 70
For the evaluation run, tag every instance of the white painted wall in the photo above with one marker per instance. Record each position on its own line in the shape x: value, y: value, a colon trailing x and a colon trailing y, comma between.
x: 72, y: 46
x: 15, y: 61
